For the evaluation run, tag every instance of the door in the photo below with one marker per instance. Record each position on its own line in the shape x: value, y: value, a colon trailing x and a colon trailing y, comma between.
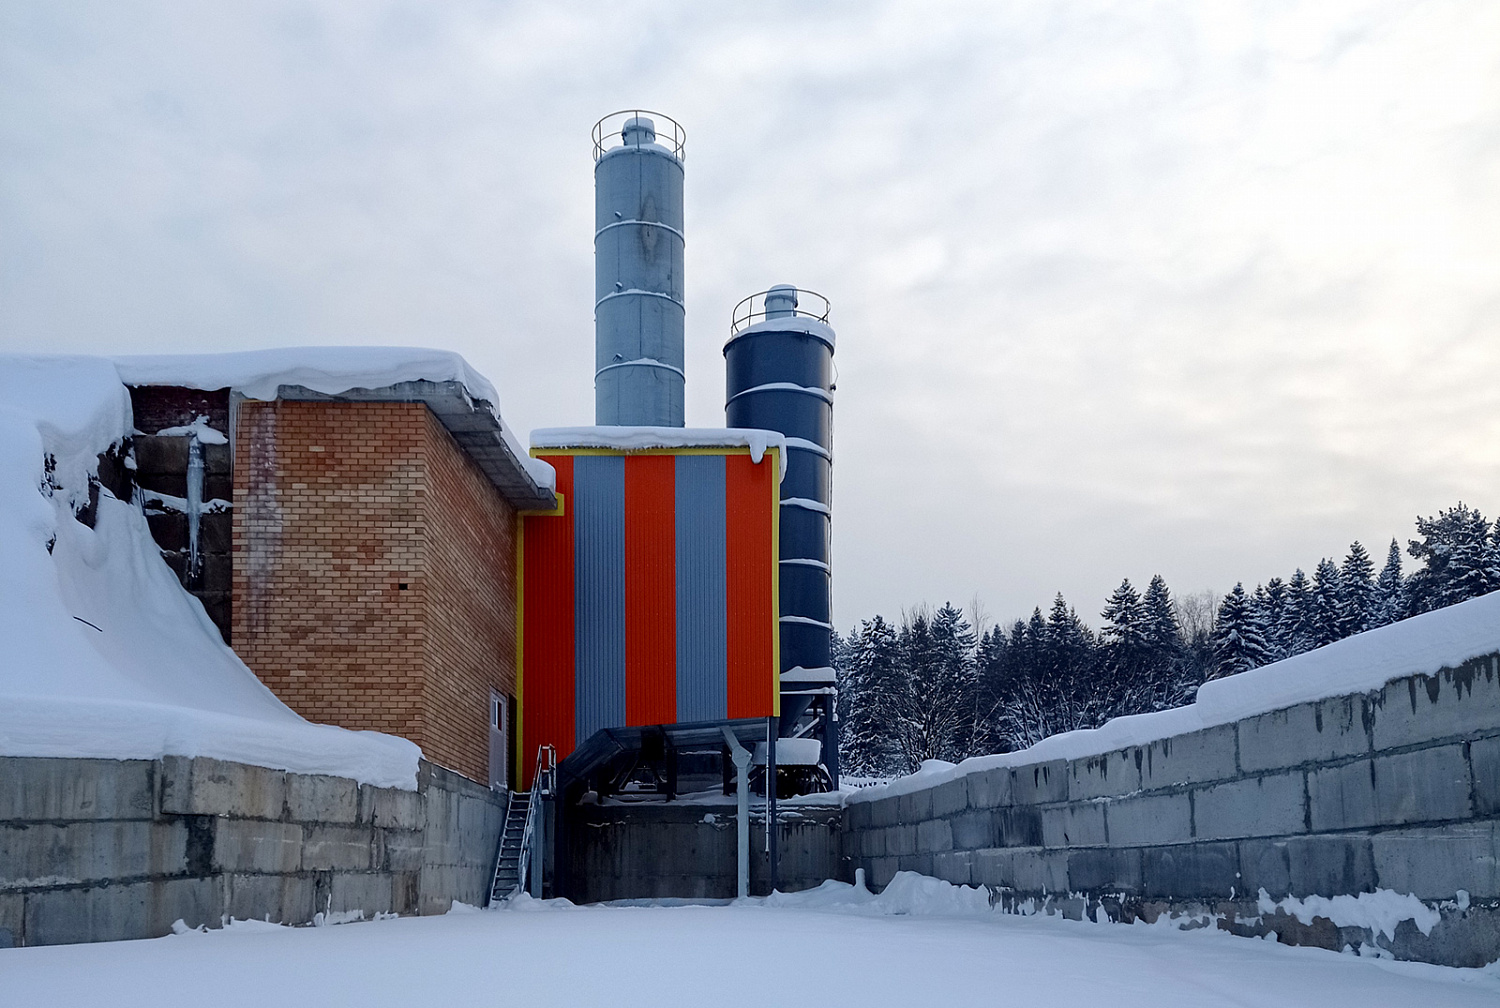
x: 499, y: 740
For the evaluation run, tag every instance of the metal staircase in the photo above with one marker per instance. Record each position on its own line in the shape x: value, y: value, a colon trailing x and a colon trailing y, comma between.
x: 519, y: 837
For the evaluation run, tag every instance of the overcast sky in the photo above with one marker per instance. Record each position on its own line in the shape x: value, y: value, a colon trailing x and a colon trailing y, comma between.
x: 1200, y: 289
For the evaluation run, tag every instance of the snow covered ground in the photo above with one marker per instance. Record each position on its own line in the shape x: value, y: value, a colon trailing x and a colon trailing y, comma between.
x: 927, y: 944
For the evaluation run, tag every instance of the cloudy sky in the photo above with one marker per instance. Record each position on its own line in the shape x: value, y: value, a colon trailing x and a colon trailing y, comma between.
x: 1204, y: 289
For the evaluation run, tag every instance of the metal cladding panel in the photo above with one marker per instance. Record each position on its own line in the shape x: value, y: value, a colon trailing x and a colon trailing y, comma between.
x: 650, y: 589
x: 650, y: 598
x: 547, y: 638
x: 797, y: 413
x: 751, y: 524
x: 804, y: 590
x: 638, y: 288
x: 702, y: 609
x: 810, y: 477
x: 804, y: 534
x: 768, y: 356
x: 599, y: 599
x: 813, y: 645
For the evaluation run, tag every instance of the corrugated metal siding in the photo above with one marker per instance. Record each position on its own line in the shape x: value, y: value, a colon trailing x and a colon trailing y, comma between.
x: 650, y: 590
x: 599, y: 600
x: 750, y: 536
x: 651, y: 598
x: 547, y: 628
x: 702, y: 609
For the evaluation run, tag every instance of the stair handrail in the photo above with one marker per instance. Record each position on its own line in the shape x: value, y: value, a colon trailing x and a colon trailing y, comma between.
x: 541, y: 784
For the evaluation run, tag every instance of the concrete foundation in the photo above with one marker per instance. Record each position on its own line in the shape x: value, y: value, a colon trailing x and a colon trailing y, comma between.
x: 1396, y: 789
x: 102, y: 850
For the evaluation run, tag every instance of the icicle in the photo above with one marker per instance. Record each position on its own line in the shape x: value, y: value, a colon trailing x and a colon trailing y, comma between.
x: 194, y: 505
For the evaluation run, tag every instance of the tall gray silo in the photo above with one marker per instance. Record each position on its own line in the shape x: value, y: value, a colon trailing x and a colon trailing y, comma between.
x: 779, y: 367
x: 638, y: 254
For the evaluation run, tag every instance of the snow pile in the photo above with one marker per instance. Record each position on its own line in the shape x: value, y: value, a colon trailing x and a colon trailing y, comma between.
x: 259, y: 374
x: 1422, y: 645
x: 629, y: 439
x: 199, y: 429
x: 908, y: 894
x: 1380, y: 911
x: 102, y: 653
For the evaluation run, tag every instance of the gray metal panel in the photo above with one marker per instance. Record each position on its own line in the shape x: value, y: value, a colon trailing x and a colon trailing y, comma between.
x: 702, y: 613
x: 638, y: 288
x: 598, y: 507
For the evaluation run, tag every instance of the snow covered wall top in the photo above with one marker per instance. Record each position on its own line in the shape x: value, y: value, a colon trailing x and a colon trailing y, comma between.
x: 102, y: 652
x: 628, y: 439
x: 1421, y: 645
x: 331, y: 370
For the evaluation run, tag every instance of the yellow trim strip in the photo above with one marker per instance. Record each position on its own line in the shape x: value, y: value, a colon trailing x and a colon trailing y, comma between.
x: 520, y: 720
x: 775, y: 454
x: 725, y: 450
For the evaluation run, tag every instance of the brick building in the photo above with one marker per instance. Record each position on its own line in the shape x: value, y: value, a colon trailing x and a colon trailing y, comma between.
x: 357, y: 549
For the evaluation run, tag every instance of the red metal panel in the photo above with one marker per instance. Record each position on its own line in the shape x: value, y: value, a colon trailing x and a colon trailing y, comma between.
x: 547, y: 627
x: 650, y: 589
x: 750, y: 507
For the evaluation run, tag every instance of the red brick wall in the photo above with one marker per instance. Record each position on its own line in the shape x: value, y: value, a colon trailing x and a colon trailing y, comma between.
x: 471, y: 605
x: 337, y: 505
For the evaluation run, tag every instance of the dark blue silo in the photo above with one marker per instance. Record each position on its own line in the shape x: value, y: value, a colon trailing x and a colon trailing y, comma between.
x: 779, y: 366
x: 638, y: 259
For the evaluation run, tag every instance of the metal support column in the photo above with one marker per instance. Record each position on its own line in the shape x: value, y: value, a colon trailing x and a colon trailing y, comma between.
x: 741, y: 757
x: 772, y: 854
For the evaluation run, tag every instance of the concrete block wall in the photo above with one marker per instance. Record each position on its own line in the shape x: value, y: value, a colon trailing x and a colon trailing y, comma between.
x: 100, y: 850
x: 650, y: 850
x: 1396, y: 789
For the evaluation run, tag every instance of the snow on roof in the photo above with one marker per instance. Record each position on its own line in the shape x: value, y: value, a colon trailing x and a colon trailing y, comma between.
x: 1422, y: 645
x: 330, y: 370
x: 630, y: 439
x: 102, y: 652
x: 258, y: 374
x: 791, y: 323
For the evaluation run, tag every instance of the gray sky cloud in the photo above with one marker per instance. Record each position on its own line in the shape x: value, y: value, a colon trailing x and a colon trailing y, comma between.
x: 1208, y: 289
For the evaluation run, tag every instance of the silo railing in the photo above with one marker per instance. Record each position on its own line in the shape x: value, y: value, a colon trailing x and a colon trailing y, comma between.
x: 669, y: 132
x: 753, y: 308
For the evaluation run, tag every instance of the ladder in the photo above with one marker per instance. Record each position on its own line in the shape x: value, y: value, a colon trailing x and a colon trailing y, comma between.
x: 518, y: 836
x: 507, y: 878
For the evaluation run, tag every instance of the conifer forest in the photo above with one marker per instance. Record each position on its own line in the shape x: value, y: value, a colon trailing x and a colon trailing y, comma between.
x: 939, y: 684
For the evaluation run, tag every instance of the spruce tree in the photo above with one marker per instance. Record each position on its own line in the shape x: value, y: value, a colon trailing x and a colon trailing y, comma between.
x: 1170, y: 673
x: 1126, y: 652
x: 1390, y: 602
x: 1295, y: 631
x: 1327, y: 594
x: 1273, y: 600
x: 866, y: 667
x: 1459, y: 559
x: 1356, y: 592
x: 1239, y: 638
